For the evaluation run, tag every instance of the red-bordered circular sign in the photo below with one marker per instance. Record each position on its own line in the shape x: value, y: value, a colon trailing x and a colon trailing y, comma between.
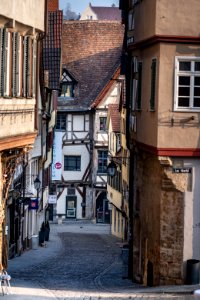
x: 58, y: 165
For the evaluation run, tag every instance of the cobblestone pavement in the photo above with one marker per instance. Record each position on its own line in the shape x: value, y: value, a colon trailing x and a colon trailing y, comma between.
x: 81, y: 262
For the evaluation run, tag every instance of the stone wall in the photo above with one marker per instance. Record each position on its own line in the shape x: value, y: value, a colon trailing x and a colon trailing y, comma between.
x: 159, y: 230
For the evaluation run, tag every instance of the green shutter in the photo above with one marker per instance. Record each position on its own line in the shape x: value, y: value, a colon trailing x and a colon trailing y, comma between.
x: 5, y: 64
x: 153, y: 84
x: 139, y: 95
x: 25, y: 66
x: 27, y: 84
x: 29, y: 68
x: 34, y: 68
x: 1, y: 61
x: 15, y: 70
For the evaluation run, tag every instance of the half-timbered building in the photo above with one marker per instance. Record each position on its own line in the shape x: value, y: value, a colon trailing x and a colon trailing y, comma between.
x: 90, y: 59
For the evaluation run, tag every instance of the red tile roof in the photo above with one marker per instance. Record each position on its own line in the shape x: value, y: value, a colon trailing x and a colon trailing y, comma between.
x: 91, y: 52
x: 113, y: 110
x: 106, y: 88
x: 51, y: 53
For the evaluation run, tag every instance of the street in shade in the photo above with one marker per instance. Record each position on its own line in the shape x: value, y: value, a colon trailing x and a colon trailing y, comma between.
x: 81, y: 260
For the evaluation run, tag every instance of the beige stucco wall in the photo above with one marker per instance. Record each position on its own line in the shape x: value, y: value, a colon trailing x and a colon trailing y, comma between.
x: 27, y: 12
x: 184, y: 133
x: 145, y: 20
x: 147, y: 119
x: 169, y: 128
x: 155, y: 17
x: 186, y: 12
x: 17, y: 117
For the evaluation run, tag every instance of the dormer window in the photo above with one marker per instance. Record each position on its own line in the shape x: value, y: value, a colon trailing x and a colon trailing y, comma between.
x: 67, y: 85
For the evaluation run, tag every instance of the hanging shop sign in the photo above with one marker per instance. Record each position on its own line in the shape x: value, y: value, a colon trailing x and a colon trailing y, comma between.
x: 33, y: 204
x: 57, y: 156
x: 182, y: 170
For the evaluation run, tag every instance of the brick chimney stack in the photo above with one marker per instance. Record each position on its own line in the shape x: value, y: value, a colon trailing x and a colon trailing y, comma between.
x: 53, y: 5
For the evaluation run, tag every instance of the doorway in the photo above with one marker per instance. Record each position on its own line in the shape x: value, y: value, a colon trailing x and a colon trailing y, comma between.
x: 71, y: 207
x: 102, y: 209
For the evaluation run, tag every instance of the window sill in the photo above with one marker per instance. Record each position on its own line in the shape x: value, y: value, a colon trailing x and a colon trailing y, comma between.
x: 187, y: 110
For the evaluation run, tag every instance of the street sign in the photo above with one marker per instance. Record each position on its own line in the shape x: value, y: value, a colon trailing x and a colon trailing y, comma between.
x: 52, y: 199
x: 182, y: 170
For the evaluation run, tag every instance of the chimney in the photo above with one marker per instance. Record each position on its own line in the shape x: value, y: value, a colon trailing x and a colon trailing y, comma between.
x: 53, y: 5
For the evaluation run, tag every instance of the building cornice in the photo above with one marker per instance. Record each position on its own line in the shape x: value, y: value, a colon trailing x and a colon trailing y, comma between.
x: 17, y: 141
x: 187, y: 152
x: 165, y: 39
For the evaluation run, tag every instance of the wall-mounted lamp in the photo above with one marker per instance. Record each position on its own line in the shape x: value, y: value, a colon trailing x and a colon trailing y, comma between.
x: 37, y: 184
x: 111, y: 169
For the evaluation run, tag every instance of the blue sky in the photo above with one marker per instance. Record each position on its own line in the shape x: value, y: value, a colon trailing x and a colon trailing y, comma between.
x: 79, y: 5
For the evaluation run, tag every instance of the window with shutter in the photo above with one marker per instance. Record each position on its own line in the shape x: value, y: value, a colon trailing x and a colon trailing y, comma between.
x: 25, y: 66
x: 20, y: 56
x: 30, y: 67
x: 153, y: 84
x: 135, y: 82
x: 1, y: 61
x: 15, y: 64
x: 6, y: 63
x: 139, y: 93
x: 34, y: 68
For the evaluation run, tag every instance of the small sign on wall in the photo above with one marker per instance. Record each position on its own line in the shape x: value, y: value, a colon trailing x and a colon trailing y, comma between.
x: 52, y: 199
x: 182, y: 170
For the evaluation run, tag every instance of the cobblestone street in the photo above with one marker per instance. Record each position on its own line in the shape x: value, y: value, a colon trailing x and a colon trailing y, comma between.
x: 81, y: 261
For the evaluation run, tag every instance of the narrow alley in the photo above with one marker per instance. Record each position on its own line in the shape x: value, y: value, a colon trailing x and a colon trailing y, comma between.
x: 80, y: 261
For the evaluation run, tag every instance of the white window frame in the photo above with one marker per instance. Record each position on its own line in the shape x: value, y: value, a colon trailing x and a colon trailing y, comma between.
x: 191, y: 73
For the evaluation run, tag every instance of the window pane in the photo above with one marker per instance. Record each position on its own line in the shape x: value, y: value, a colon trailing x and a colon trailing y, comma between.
x: 102, y: 161
x: 184, y: 91
x: 197, y: 91
x: 184, y: 80
x: 103, y: 123
x: 72, y: 163
x: 184, y: 65
x: 183, y: 102
x: 67, y: 90
x: 61, y: 122
x: 197, y: 102
x: 197, y: 80
x: 197, y: 66
x: 153, y: 84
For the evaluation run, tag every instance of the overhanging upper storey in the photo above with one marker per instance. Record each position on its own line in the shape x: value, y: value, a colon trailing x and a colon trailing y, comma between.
x: 24, y: 14
x: 150, y: 21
